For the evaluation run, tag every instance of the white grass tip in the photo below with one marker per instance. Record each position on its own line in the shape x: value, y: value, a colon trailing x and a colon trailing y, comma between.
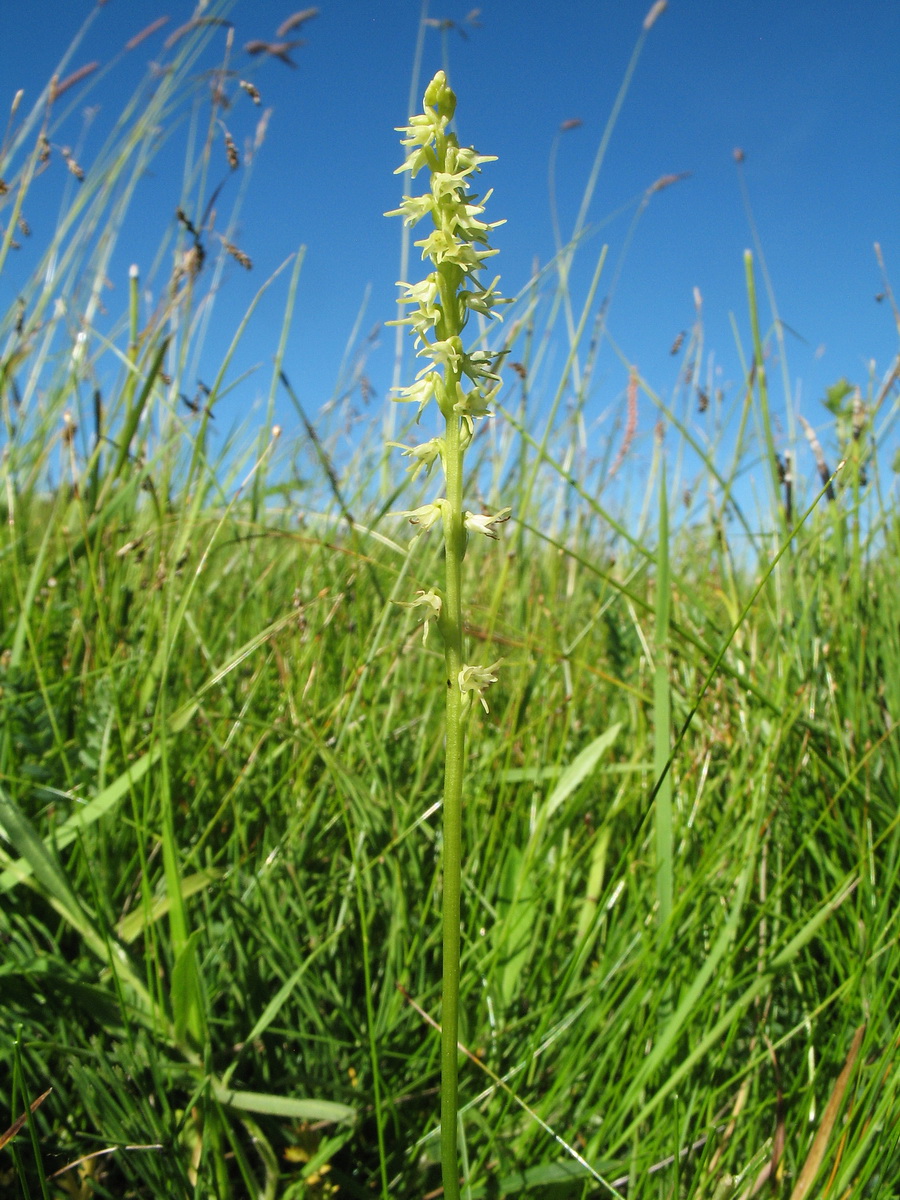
x: 17, y: 100
x: 698, y: 299
x: 655, y: 12
x: 276, y: 432
x: 133, y: 271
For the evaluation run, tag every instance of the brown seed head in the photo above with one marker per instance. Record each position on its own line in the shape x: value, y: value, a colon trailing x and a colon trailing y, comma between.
x: 238, y: 255
x: 72, y: 164
x: 276, y: 49
x: 295, y: 20
x: 231, y: 151
x: 665, y: 181
x: 179, y: 33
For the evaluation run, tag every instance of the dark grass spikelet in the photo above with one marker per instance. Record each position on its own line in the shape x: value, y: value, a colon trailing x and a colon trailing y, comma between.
x: 786, y: 479
x: 24, y: 227
x: 4, y: 187
x: 238, y: 255
x: 190, y: 266
x: 251, y: 91
x: 72, y: 165
x: 279, y: 50
x: 818, y: 454
x: 231, y: 152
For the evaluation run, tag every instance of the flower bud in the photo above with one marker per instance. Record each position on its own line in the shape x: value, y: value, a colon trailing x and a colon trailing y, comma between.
x: 440, y: 96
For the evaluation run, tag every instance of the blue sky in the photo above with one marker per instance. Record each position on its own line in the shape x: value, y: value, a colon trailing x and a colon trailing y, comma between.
x: 809, y: 91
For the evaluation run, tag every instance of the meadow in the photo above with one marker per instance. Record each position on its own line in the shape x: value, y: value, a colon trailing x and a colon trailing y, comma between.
x: 222, y: 758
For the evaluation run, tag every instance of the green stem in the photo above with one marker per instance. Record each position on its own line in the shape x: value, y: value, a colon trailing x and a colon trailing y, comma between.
x: 454, y: 767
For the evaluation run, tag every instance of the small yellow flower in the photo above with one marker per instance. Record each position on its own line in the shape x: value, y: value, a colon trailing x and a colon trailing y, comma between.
x: 420, y: 392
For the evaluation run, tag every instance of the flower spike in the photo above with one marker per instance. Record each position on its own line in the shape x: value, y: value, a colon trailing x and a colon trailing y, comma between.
x: 463, y: 382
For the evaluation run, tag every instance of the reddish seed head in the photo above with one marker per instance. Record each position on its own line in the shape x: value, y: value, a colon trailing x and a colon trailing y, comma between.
x: 145, y: 33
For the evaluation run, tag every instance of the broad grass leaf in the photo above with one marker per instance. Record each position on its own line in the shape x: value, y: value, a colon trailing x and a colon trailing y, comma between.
x: 577, y: 772
x: 284, y: 1106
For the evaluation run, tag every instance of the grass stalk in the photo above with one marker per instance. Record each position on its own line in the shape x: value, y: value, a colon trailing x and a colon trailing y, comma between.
x: 662, y: 714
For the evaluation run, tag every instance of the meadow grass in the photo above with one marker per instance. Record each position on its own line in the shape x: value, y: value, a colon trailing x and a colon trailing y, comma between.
x: 221, y: 770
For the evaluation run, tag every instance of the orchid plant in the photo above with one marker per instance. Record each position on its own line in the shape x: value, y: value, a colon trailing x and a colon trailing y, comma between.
x: 462, y: 383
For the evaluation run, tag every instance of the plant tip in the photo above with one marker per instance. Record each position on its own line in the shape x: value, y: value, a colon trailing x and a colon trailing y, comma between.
x: 655, y: 13
x: 294, y: 20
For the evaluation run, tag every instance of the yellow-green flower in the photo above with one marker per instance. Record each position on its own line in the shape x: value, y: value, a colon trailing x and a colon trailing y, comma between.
x: 475, y: 680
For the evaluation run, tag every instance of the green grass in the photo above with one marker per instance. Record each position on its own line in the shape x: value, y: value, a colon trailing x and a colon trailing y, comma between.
x: 221, y: 765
